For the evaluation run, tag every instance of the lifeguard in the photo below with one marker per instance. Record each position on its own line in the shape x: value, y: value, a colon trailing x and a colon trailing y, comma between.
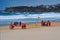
x: 23, y: 26
x: 11, y: 25
x: 49, y: 23
x: 43, y: 23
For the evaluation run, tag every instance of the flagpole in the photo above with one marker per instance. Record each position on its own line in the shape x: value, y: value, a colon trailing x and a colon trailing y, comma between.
x: 38, y: 18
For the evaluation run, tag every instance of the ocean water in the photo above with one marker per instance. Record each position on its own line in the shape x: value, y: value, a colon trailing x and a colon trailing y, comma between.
x: 28, y: 17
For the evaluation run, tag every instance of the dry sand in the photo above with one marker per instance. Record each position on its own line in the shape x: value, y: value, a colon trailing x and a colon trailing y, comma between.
x: 34, y: 31
x: 43, y: 33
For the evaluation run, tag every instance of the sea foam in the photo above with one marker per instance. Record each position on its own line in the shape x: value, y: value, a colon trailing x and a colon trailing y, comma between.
x: 24, y: 15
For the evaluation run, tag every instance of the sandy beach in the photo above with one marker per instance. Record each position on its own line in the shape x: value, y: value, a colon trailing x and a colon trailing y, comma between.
x: 43, y: 33
x: 34, y: 31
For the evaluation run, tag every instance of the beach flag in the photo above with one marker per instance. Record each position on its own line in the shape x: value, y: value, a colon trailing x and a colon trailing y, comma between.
x: 38, y: 17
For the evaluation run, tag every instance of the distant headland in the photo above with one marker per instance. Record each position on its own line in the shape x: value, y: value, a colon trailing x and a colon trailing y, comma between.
x: 40, y: 8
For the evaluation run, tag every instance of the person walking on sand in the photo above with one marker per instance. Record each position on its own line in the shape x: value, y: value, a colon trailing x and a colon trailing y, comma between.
x: 49, y: 23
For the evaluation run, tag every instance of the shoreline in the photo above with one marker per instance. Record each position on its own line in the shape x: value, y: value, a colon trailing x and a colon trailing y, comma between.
x: 27, y: 23
x: 31, y: 25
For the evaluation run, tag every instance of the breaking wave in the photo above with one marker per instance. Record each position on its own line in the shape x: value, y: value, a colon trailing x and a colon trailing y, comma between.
x: 29, y: 15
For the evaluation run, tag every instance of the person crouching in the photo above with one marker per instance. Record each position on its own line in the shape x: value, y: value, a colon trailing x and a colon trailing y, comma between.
x: 11, y: 26
x: 23, y: 26
x: 43, y: 23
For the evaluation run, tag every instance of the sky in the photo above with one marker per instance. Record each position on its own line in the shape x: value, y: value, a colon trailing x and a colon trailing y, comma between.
x: 12, y: 3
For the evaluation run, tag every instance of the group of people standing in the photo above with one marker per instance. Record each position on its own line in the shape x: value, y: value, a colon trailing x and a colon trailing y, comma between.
x: 44, y: 23
x: 12, y: 25
x: 23, y: 25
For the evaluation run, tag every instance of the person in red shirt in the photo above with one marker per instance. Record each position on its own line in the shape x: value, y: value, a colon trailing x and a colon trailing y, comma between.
x: 43, y: 23
x: 23, y: 26
x: 49, y: 23
x: 11, y: 25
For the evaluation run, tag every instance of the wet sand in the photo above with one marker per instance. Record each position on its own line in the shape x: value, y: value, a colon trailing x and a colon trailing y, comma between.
x: 31, y: 25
